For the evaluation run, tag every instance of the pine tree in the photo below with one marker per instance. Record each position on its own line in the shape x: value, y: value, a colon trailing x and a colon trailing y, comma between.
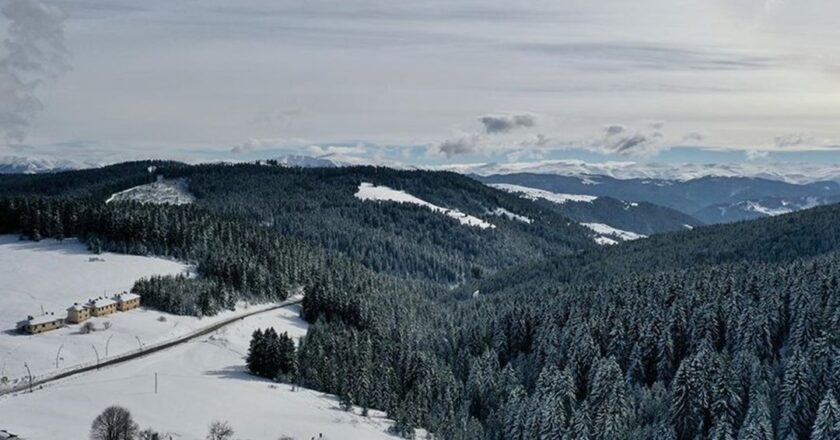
x: 827, y: 424
x: 797, y: 398
x: 609, y: 401
x: 757, y: 424
x: 255, y: 359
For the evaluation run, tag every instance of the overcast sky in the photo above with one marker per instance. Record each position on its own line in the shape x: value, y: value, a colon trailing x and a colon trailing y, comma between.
x: 421, y: 82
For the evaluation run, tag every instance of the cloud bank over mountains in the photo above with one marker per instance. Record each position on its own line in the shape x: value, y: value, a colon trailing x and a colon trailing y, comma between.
x: 440, y: 80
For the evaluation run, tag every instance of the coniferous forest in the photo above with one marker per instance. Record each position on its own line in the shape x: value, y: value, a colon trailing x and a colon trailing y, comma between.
x: 525, y: 331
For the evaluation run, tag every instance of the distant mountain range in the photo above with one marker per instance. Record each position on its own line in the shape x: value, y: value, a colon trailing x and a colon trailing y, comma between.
x: 639, y: 217
x: 34, y: 165
x: 708, y: 199
x: 785, y: 172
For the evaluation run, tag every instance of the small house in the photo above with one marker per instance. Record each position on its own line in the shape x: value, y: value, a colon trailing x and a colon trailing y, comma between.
x: 78, y: 313
x: 101, y: 306
x: 39, y: 324
x: 127, y: 301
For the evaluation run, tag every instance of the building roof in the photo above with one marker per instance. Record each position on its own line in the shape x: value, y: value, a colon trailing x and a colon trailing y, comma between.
x: 100, y: 302
x: 77, y: 307
x: 43, y: 319
x: 126, y: 296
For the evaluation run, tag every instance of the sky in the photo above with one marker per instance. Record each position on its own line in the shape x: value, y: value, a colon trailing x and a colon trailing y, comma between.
x: 426, y: 82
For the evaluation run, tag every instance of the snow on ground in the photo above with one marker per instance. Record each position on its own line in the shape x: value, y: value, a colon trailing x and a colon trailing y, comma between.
x: 534, y: 194
x: 369, y: 191
x: 54, y: 275
x: 609, y: 235
x: 502, y: 212
x: 171, y: 191
x: 198, y: 382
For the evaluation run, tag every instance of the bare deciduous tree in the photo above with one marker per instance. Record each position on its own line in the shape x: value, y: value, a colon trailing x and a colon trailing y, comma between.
x: 115, y: 423
x: 220, y: 430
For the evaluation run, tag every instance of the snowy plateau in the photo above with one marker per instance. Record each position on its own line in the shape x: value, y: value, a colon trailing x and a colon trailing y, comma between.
x: 369, y: 191
x: 199, y: 381
x: 163, y: 191
x: 534, y: 194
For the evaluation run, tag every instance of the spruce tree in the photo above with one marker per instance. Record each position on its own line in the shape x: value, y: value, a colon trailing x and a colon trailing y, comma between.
x: 827, y: 424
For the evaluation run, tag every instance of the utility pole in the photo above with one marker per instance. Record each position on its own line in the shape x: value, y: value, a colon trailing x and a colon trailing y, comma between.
x: 155, y: 383
x: 97, y: 355
x: 29, y: 372
x: 57, y: 355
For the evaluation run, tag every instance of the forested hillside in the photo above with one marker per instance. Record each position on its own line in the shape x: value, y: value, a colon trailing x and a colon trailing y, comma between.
x: 639, y: 217
x: 318, y: 205
x: 722, y: 332
x: 742, y: 345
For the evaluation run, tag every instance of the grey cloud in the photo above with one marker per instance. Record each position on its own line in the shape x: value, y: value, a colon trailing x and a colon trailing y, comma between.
x: 465, y: 144
x: 694, y: 137
x: 618, y: 139
x: 613, y: 130
x: 34, y: 52
x: 494, y: 124
x: 612, y: 56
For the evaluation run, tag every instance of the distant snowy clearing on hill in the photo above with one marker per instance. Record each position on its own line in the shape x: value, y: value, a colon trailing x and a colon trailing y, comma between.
x: 198, y: 382
x: 369, y: 191
x: 534, y: 194
x: 164, y: 191
x: 610, y: 235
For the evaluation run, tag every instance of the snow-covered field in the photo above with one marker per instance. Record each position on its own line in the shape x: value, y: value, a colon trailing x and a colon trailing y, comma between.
x: 172, y: 192
x: 534, y: 194
x: 369, y: 191
x: 198, y: 382
x: 54, y: 275
x: 610, y: 235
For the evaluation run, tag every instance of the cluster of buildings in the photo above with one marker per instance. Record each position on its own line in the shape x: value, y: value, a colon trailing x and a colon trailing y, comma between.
x: 78, y: 313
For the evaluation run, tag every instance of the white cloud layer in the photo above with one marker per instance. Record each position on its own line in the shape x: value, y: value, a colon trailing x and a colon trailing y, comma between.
x: 206, y: 75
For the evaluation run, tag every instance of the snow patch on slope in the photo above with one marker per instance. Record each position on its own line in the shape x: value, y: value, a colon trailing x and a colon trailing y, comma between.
x: 609, y: 235
x: 534, y: 194
x: 770, y: 212
x: 164, y: 191
x: 369, y: 191
x: 502, y: 212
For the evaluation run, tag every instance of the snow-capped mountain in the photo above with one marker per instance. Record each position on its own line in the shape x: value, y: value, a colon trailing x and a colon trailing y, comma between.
x: 301, y: 161
x: 709, y: 199
x: 791, y: 173
x: 330, y: 160
x: 36, y: 165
